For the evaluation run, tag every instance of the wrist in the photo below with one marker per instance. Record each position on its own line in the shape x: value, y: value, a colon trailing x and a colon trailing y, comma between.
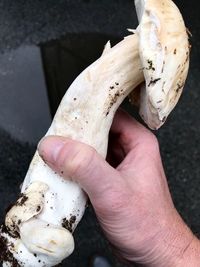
x: 177, y: 246
x: 173, y: 245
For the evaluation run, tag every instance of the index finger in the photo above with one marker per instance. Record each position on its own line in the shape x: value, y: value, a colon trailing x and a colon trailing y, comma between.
x: 129, y: 131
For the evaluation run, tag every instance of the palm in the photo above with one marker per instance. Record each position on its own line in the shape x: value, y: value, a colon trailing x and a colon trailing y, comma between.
x: 140, y: 184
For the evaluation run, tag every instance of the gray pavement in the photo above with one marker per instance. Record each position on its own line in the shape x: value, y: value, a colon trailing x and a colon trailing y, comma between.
x: 25, y: 111
x: 27, y: 23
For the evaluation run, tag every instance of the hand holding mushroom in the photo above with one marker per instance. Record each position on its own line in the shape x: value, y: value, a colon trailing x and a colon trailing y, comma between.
x: 158, y: 53
x: 132, y: 201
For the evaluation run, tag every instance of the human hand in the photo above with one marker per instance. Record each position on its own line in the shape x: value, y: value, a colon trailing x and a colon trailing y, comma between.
x: 132, y: 200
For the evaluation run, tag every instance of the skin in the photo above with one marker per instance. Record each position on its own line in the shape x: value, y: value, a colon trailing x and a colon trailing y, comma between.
x: 129, y: 193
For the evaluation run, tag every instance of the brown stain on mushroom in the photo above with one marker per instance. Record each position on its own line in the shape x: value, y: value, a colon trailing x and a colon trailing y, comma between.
x: 153, y: 81
x: 38, y: 208
x: 21, y: 201
x: 163, y: 66
x: 163, y: 85
x: 45, y: 249
x: 112, y: 99
x: 180, y: 85
x: 68, y: 224
x: 150, y: 65
x: 5, y: 247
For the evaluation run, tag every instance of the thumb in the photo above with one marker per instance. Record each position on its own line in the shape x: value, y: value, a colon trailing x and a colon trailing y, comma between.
x: 80, y: 163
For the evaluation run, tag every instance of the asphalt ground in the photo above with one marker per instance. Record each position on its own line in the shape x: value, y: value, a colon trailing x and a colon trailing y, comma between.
x: 35, y: 22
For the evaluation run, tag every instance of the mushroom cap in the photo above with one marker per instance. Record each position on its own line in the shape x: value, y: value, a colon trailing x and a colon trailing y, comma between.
x: 164, y: 51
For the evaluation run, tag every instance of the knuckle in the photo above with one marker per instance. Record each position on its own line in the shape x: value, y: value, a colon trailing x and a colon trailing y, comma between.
x: 114, y: 206
x: 155, y: 143
x: 153, y: 140
x: 116, y: 200
x: 151, y: 143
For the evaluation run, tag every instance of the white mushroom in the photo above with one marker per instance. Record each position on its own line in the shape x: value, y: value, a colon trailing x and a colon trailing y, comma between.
x: 164, y: 52
x: 39, y: 231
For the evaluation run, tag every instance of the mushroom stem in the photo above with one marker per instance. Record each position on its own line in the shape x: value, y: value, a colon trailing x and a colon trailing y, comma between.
x: 99, y: 90
x: 85, y: 114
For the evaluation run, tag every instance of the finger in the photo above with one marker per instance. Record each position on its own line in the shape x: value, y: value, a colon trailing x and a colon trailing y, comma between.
x: 80, y: 163
x: 130, y: 132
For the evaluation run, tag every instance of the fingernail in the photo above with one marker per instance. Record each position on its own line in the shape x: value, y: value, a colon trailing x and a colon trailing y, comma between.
x: 50, y: 147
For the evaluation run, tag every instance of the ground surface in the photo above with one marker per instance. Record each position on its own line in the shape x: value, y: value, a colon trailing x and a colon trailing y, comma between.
x: 32, y: 22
